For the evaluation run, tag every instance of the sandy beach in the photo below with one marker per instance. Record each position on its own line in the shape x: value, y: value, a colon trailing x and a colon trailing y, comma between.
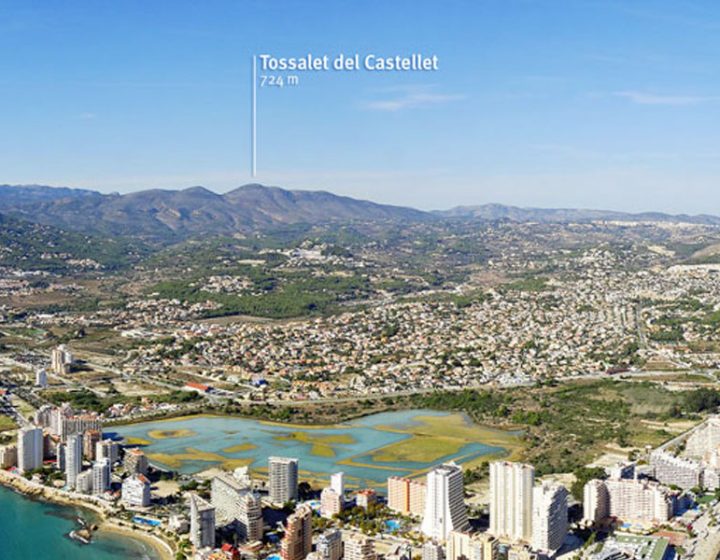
x: 108, y: 525
x: 162, y: 548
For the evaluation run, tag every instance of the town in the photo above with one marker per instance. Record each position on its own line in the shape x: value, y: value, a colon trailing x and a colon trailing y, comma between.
x: 660, y: 506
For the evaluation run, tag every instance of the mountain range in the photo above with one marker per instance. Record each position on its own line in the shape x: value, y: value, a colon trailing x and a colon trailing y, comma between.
x: 177, y: 214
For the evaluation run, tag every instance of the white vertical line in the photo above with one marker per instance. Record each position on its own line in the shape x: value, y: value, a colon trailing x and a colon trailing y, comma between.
x: 253, y: 143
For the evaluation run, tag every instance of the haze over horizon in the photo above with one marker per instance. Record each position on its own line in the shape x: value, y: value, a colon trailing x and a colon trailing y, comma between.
x: 547, y: 104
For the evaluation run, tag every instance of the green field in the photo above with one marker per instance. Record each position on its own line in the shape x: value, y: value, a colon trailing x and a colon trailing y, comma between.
x: 6, y: 423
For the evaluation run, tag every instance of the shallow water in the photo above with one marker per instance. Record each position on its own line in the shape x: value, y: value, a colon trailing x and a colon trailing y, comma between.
x: 34, y: 529
x: 318, y: 449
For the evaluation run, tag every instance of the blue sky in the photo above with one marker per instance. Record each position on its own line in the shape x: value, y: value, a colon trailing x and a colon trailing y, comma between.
x: 604, y: 104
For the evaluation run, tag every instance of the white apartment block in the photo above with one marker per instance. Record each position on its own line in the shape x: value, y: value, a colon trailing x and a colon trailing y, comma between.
x: 73, y: 460
x: 101, y: 476
x: 225, y: 494
x: 337, y: 483
x: 107, y: 449
x: 550, y: 517
x: 283, y: 479
x: 202, y: 523
x: 445, y: 509
x: 640, y: 501
x: 136, y: 491
x: 511, y: 498
x: 331, y: 503
x: 61, y: 360
x: 30, y: 449
x: 250, y: 521
x: 234, y: 501
x: 684, y: 473
x: 84, y: 482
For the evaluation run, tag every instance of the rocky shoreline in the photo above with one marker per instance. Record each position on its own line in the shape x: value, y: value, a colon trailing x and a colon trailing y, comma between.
x: 36, y: 491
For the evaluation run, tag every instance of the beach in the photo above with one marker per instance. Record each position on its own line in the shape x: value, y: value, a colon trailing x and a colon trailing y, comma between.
x: 107, y: 525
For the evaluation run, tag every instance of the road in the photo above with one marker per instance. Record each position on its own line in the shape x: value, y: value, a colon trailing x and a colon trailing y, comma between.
x: 706, y: 544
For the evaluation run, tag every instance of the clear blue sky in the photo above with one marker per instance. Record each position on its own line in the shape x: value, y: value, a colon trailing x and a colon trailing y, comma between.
x: 536, y: 103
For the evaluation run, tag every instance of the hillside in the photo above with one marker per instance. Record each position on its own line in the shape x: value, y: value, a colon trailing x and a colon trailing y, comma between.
x: 169, y: 215
x: 494, y: 212
x: 30, y: 246
x: 175, y: 215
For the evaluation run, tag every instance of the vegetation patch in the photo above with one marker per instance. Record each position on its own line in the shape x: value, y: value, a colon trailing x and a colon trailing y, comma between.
x: 168, y: 434
x: 240, y: 448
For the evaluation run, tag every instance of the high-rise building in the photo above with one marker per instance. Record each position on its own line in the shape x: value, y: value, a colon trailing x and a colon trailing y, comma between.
x: 250, y: 519
x: 41, y: 379
x: 101, y: 476
x: 550, y: 517
x: 90, y: 440
x: 30, y: 449
x: 202, y: 522
x: 61, y: 457
x: 8, y: 456
x: 331, y: 503
x: 359, y: 547
x: 283, y: 479
x: 463, y: 546
x: 108, y: 449
x: 596, y: 501
x: 511, y: 497
x: 136, y: 490
x: 234, y: 501
x: 84, y: 482
x: 406, y: 495
x: 337, y: 483
x: 445, y: 502
x: 136, y: 461
x: 46, y: 417
x: 72, y: 424
x: 73, y: 460
x: 225, y: 494
x: 297, y: 542
x: 640, y: 501
x: 330, y: 545
x: 61, y: 360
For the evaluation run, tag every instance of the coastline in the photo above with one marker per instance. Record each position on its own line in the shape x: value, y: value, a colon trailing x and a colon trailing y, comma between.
x: 32, y: 490
x: 158, y: 544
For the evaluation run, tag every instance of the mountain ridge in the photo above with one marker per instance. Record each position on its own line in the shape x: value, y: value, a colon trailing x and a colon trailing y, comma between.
x: 163, y: 213
x: 168, y: 214
x: 494, y: 211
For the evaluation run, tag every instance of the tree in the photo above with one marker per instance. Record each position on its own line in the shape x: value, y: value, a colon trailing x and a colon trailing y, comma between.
x: 582, y: 476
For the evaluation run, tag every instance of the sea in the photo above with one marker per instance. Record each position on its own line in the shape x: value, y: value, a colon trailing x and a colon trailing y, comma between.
x: 31, y: 529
